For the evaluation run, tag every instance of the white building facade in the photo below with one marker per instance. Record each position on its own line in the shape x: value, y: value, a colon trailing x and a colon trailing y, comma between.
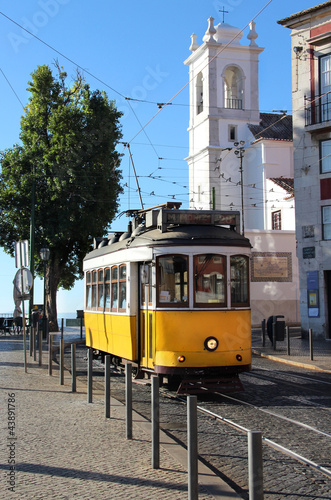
x: 242, y: 159
x: 311, y: 87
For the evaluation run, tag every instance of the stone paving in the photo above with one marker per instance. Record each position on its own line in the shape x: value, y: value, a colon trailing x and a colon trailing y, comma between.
x: 54, y: 445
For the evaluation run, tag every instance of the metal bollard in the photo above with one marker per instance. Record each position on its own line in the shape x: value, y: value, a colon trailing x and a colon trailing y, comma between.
x: 62, y: 327
x: 73, y: 367
x: 287, y: 329
x: 40, y: 347
x: 31, y: 340
x: 34, y: 344
x: 192, y: 447
x: 89, y: 375
x: 128, y: 399
x: 61, y: 362
x: 274, y: 335
x: 50, y: 354
x: 107, y: 386
x: 311, y: 347
x: 255, y: 465
x: 155, y: 423
x: 263, y: 332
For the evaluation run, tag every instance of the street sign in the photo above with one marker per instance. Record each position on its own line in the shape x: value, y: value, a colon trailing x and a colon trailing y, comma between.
x: 23, y: 283
x: 21, y: 253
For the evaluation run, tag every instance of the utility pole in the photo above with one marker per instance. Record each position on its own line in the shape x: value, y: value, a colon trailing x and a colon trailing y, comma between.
x: 240, y: 153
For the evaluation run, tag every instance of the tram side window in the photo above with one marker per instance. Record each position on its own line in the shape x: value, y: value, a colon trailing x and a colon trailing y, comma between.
x: 94, y: 289
x: 100, y: 289
x: 209, y: 280
x: 107, y: 289
x: 172, y: 285
x: 239, y: 280
x: 118, y: 288
x: 122, y: 287
x: 114, y: 288
x: 88, y: 290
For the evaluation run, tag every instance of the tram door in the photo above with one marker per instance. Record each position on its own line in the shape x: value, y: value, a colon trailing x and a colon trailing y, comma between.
x: 146, y: 316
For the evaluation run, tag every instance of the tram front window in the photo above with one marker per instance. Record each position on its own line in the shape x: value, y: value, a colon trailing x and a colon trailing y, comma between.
x: 239, y: 281
x: 209, y: 280
x: 172, y: 280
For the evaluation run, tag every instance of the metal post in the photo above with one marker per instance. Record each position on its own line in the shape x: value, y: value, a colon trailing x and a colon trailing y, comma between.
x: 107, y: 386
x: 31, y: 340
x: 263, y: 332
x: 192, y: 447
x: 40, y: 347
x: 61, y: 361
x: 62, y: 327
x: 287, y: 329
x: 89, y: 375
x: 255, y: 465
x: 50, y: 355
x: 73, y: 367
x: 311, y: 347
x: 34, y: 344
x: 155, y: 423
x: 274, y: 335
x: 128, y: 399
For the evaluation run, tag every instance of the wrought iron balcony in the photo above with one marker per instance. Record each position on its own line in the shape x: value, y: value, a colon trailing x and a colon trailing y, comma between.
x: 317, y: 111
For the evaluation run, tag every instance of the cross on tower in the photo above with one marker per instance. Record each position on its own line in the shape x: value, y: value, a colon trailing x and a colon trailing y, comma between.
x: 224, y: 12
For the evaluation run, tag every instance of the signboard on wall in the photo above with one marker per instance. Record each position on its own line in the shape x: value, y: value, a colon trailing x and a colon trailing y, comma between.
x: 271, y: 266
x: 313, y: 294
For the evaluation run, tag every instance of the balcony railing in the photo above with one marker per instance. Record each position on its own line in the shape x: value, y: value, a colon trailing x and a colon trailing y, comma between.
x: 233, y: 103
x: 318, y: 110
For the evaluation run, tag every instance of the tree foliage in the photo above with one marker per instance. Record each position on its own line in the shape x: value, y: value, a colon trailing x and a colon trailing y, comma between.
x: 68, y: 152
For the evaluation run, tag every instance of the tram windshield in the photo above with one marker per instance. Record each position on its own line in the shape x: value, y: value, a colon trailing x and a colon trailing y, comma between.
x: 209, y: 280
x: 172, y: 280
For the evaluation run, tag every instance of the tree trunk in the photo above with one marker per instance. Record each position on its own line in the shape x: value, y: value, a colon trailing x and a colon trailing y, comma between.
x: 52, y: 281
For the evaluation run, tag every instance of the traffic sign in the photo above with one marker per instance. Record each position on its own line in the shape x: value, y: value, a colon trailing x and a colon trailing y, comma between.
x: 23, y: 282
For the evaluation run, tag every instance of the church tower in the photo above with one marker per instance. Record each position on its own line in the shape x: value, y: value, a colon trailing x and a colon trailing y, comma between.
x: 224, y: 99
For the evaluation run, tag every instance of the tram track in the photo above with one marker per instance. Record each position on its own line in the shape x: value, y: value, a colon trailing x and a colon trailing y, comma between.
x: 289, y: 459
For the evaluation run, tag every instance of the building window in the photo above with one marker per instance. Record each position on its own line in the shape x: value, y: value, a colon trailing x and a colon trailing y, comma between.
x: 325, y: 87
x: 209, y: 280
x: 326, y: 222
x: 276, y: 219
x: 172, y: 285
x: 233, y: 88
x: 232, y: 133
x: 325, y: 156
x: 199, y: 96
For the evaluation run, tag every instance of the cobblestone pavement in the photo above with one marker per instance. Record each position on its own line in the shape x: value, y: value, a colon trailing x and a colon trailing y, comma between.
x: 54, y: 445
x: 225, y: 448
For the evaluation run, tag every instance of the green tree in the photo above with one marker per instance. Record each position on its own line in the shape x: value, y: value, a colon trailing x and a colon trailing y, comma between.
x: 68, y: 153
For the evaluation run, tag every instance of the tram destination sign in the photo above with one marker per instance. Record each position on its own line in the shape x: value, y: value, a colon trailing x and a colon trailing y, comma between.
x: 198, y: 217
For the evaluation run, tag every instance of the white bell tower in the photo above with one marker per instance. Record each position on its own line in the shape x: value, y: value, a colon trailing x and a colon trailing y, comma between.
x: 224, y: 99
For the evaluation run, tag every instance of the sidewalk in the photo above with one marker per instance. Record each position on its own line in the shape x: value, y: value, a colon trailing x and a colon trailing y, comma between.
x: 54, y: 445
x: 299, y: 351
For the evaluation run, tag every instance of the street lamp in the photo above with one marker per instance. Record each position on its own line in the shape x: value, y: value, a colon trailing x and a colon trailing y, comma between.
x: 44, y: 254
x: 240, y: 153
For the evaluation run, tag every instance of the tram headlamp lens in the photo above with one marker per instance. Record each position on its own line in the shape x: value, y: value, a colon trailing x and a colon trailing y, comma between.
x: 239, y: 357
x: 181, y: 359
x: 211, y: 344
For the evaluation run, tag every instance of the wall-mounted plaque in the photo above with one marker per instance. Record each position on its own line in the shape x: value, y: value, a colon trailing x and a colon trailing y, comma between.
x: 271, y: 266
x: 308, y: 253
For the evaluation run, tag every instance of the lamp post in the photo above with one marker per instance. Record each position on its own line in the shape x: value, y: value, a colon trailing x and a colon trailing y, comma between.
x: 240, y: 153
x: 44, y: 254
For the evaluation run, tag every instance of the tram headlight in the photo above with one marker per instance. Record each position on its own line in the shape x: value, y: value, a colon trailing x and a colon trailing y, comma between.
x: 181, y: 359
x: 211, y: 344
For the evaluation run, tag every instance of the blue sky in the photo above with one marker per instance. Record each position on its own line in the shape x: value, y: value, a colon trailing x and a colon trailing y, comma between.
x: 135, y: 50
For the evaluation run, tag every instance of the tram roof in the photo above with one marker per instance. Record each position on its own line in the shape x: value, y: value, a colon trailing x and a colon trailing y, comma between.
x: 176, y: 235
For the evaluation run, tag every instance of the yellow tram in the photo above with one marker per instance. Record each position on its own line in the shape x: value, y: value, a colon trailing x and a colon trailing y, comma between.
x: 171, y: 295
